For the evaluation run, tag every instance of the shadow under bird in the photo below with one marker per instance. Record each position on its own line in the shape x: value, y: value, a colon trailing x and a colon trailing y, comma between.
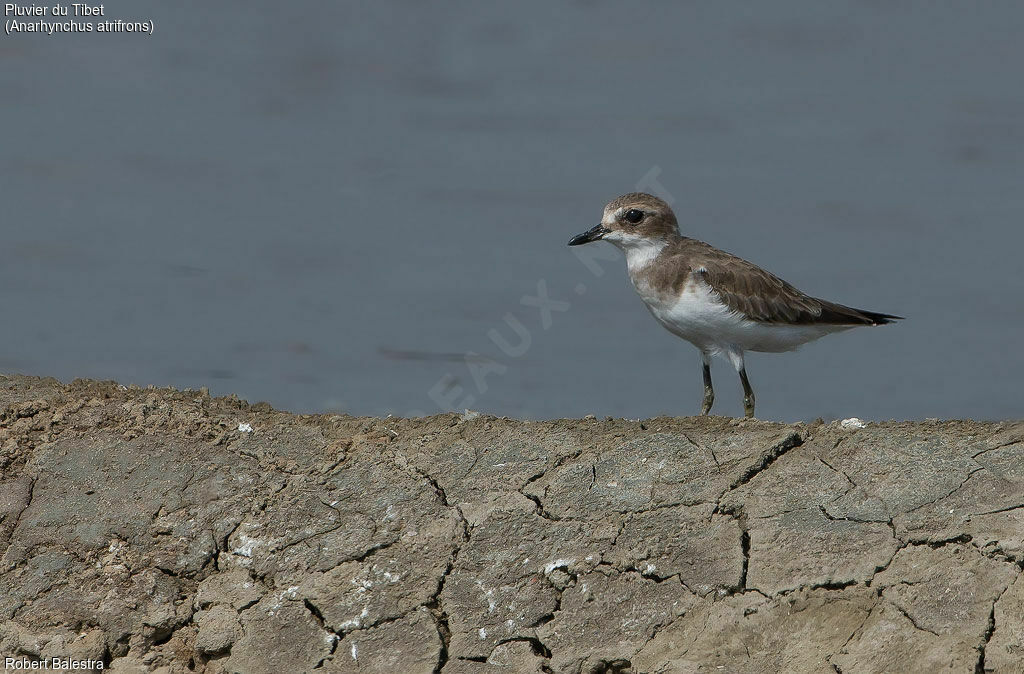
x: 718, y: 302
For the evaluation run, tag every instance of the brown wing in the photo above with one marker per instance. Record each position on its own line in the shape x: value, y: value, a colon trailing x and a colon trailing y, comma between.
x: 762, y: 296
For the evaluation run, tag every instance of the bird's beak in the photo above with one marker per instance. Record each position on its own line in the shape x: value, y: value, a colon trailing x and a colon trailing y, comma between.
x: 595, y: 233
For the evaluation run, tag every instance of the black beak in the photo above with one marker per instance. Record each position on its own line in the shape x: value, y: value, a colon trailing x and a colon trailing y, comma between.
x: 593, y: 234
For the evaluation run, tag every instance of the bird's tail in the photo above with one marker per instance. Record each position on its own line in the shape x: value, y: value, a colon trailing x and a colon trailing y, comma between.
x: 840, y: 314
x: 879, y: 319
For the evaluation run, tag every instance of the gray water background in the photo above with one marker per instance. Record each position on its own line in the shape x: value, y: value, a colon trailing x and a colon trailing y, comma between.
x: 328, y: 205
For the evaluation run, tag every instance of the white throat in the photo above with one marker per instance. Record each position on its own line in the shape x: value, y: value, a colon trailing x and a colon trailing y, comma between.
x: 640, y: 251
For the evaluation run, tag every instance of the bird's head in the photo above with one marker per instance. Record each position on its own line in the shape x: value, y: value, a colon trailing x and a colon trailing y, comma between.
x: 630, y: 220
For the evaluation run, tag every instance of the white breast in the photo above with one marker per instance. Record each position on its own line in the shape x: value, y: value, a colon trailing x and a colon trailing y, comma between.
x: 700, y: 317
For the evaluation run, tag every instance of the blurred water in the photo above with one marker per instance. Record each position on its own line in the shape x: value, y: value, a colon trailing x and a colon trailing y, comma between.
x: 327, y: 206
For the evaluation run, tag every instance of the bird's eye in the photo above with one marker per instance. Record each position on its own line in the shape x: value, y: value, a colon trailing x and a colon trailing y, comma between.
x: 633, y: 216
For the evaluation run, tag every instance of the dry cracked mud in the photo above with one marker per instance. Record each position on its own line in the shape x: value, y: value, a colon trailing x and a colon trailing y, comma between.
x: 156, y: 530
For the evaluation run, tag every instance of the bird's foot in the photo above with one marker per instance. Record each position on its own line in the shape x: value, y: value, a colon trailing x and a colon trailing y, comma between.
x: 709, y: 400
x: 748, y: 407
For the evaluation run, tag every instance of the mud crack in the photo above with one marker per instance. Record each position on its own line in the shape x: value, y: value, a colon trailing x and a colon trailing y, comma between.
x: 791, y: 441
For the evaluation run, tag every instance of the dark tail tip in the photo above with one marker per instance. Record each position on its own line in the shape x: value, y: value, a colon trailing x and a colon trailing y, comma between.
x: 880, y: 319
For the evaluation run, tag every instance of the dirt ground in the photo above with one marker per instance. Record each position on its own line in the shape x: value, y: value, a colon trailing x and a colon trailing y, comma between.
x: 154, y: 530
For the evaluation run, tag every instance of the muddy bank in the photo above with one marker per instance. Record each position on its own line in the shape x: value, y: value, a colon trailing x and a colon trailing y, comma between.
x: 165, y: 531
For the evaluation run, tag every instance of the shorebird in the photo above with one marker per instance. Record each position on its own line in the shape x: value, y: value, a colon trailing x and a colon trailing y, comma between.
x: 720, y: 303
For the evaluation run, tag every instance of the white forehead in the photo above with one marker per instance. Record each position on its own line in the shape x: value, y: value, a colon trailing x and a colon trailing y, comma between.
x: 613, y: 214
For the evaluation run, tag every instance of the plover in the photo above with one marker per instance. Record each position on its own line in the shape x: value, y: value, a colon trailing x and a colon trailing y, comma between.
x: 718, y: 302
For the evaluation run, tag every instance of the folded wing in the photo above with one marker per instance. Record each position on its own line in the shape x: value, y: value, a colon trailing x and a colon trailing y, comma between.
x: 761, y: 296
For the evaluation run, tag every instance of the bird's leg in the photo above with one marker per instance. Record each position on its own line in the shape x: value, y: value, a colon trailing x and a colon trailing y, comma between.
x: 709, y: 391
x: 748, y: 394
x: 736, y: 357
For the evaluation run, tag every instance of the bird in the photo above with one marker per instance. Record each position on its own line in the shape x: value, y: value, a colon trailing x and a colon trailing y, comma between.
x: 720, y: 303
